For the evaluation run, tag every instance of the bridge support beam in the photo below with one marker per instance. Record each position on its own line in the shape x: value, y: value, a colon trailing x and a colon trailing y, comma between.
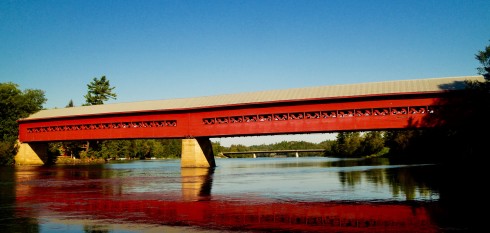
x: 197, y: 152
x: 31, y: 154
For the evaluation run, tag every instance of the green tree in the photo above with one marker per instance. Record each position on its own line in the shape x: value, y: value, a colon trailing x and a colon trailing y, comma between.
x: 483, y: 57
x: 14, y: 105
x: 457, y: 137
x: 372, y: 143
x: 347, y: 145
x: 70, y: 104
x: 99, y: 91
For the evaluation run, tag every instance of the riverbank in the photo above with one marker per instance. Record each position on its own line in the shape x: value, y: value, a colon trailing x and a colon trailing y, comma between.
x: 65, y: 160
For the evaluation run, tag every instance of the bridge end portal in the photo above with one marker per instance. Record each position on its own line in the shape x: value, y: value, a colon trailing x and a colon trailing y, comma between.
x: 31, y: 154
x: 197, y: 152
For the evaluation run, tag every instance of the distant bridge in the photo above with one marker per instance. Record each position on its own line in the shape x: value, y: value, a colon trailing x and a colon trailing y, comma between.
x: 255, y: 152
x: 355, y: 107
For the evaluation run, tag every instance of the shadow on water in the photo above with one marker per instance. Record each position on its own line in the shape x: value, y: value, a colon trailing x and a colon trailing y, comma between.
x: 8, y: 208
x: 156, y: 194
x: 458, y: 188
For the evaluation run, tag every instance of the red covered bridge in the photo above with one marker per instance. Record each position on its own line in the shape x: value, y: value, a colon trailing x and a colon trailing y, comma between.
x: 354, y: 107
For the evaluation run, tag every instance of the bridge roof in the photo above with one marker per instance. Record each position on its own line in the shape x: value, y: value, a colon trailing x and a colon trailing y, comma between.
x: 416, y: 86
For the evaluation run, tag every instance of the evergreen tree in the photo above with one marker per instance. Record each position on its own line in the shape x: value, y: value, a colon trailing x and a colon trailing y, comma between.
x: 99, y: 91
x: 483, y: 57
x: 70, y: 104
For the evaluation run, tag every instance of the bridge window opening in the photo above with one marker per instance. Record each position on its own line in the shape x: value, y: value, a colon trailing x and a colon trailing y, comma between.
x: 208, y: 121
x: 250, y: 118
x: 381, y: 112
x: 171, y: 123
x: 363, y: 112
x: 280, y: 117
x: 222, y: 120
x: 103, y: 126
x: 236, y: 119
x: 329, y: 114
x: 398, y: 111
x: 312, y: 115
x: 418, y: 110
x: 346, y: 113
x: 266, y: 117
x: 296, y: 116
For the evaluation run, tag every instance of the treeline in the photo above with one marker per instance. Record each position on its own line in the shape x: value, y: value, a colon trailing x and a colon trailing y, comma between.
x: 284, y: 145
x: 116, y: 149
x: 413, y: 145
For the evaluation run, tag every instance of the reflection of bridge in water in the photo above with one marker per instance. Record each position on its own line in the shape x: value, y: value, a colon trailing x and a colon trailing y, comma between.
x: 273, y: 153
x: 198, y: 208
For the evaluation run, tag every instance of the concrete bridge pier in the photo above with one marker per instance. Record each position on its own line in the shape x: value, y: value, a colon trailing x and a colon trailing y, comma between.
x: 297, y: 154
x: 255, y: 156
x: 197, y: 152
x: 31, y: 154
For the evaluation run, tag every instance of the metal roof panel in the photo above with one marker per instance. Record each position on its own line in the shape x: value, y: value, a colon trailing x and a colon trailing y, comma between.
x: 305, y: 93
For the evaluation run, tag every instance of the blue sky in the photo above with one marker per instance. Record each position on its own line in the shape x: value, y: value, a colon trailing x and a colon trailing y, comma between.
x: 151, y: 50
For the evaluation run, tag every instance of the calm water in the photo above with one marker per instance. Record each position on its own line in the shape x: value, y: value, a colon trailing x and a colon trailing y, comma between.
x: 239, y: 195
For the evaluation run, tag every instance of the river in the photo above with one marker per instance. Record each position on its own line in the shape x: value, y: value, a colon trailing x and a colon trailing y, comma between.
x: 310, y: 194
